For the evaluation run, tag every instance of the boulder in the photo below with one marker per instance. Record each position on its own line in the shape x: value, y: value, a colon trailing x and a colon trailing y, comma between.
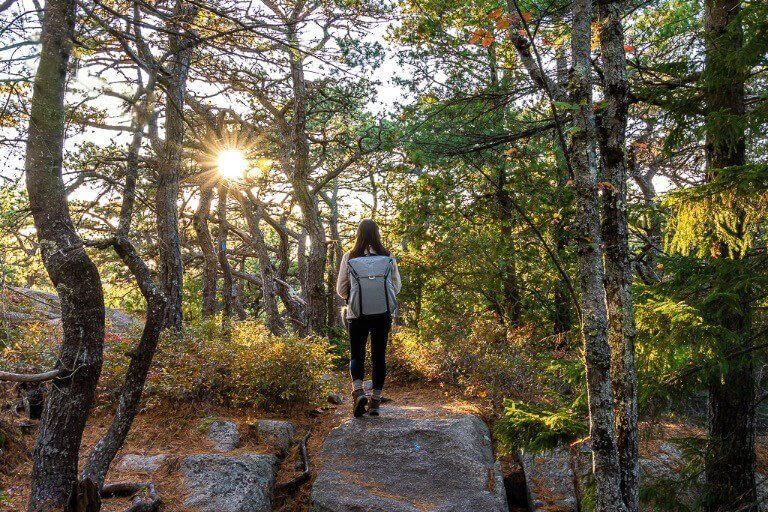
x: 222, y: 483
x: 400, y: 462
x: 549, y: 477
x: 141, y: 463
x: 277, y: 433
x: 48, y: 306
x: 224, y: 435
x: 549, y: 480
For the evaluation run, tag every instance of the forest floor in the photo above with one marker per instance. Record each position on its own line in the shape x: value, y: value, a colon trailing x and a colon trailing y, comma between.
x: 178, y: 429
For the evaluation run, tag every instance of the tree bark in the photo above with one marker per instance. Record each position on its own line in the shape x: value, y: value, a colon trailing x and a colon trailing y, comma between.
x: 597, y: 352
x: 55, y: 458
x: 227, y: 286
x: 335, y: 303
x: 204, y: 240
x: 307, y: 201
x: 615, y: 232
x: 730, y: 458
x: 266, y: 271
x: 129, y: 398
x: 169, y: 245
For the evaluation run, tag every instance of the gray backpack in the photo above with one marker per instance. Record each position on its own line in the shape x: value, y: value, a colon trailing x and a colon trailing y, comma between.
x: 371, y: 291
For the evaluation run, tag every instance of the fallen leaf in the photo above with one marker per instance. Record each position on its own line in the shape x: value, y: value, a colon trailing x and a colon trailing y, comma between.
x: 488, y: 41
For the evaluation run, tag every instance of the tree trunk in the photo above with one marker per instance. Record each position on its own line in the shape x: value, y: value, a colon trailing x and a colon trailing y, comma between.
x: 597, y: 352
x: 54, y: 470
x: 618, y: 269
x: 266, y: 271
x: 204, y: 240
x: 730, y: 460
x: 141, y: 356
x: 307, y: 201
x: 228, y: 284
x: 511, y: 303
x: 169, y: 245
x: 335, y: 303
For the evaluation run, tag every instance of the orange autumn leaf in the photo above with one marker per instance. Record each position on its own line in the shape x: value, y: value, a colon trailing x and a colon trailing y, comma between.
x: 477, y: 36
x: 522, y: 32
x: 629, y: 48
x: 510, y: 151
x: 496, y: 13
x: 527, y: 16
x: 488, y: 41
x: 503, y: 23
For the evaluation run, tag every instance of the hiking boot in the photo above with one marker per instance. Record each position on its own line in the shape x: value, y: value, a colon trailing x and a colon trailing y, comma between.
x: 359, y: 401
x: 373, y: 406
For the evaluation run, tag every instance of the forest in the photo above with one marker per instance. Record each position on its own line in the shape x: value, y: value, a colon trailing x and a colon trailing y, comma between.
x: 575, y: 191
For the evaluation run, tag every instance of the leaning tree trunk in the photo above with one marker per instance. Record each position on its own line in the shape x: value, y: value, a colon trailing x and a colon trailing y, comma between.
x: 169, y: 245
x: 597, y: 352
x: 129, y: 398
x: 141, y: 356
x: 54, y: 470
x: 618, y: 269
x: 204, y: 240
x: 730, y: 460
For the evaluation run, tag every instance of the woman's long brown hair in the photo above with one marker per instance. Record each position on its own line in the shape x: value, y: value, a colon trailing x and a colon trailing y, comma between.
x: 368, y: 236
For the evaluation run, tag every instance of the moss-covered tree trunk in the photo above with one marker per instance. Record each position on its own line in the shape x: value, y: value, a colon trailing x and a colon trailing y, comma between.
x: 615, y: 231
x: 54, y: 471
x: 597, y: 352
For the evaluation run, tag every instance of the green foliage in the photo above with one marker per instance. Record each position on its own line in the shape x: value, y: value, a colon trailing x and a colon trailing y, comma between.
x: 538, y: 428
x: 730, y: 210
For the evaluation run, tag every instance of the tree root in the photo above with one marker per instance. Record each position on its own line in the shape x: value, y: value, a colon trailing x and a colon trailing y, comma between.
x: 141, y: 503
x: 291, y: 485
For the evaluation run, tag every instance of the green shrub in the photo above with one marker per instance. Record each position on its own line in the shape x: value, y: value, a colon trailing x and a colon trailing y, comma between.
x: 537, y: 428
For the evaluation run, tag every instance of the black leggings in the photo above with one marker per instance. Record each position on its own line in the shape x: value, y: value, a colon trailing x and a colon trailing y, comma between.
x: 378, y: 327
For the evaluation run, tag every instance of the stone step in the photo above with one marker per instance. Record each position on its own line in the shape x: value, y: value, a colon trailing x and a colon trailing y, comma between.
x: 408, y: 461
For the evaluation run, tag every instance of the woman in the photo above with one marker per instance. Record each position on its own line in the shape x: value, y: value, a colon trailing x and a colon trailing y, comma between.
x: 368, y: 281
